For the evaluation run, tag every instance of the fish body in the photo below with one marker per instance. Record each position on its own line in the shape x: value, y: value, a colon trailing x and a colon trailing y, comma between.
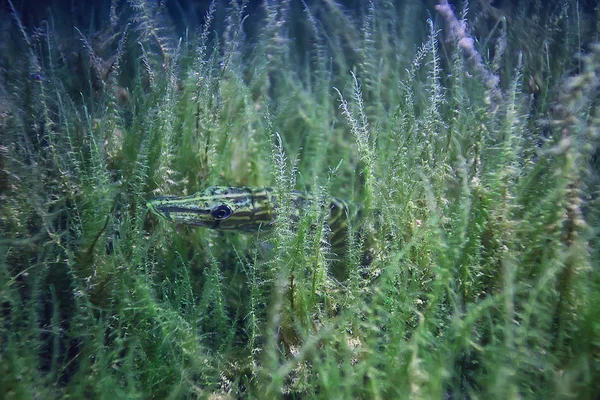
x: 241, y: 209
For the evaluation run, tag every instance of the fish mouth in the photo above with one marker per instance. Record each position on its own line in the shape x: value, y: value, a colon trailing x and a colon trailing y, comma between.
x: 162, y: 212
x: 157, y: 211
x: 180, y: 213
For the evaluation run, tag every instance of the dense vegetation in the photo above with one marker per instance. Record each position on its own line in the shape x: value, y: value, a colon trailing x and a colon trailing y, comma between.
x: 467, y: 137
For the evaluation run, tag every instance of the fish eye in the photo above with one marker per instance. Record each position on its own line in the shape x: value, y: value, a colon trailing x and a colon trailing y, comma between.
x: 221, y: 212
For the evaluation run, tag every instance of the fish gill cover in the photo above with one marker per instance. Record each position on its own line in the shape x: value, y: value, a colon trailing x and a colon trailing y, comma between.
x: 460, y: 140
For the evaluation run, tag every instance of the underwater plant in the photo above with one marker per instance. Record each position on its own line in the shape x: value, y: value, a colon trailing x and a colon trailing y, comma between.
x: 403, y: 196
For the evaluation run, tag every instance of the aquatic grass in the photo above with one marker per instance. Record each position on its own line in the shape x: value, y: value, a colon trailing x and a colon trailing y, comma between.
x: 469, y: 272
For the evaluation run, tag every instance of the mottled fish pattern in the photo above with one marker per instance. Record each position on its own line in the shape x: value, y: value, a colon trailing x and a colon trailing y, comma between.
x: 243, y: 209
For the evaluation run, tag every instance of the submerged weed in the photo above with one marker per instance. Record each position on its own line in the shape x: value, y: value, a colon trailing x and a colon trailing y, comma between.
x: 466, y: 147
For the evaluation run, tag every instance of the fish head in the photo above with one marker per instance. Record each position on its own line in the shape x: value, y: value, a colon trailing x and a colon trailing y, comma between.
x: 218, y: 207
